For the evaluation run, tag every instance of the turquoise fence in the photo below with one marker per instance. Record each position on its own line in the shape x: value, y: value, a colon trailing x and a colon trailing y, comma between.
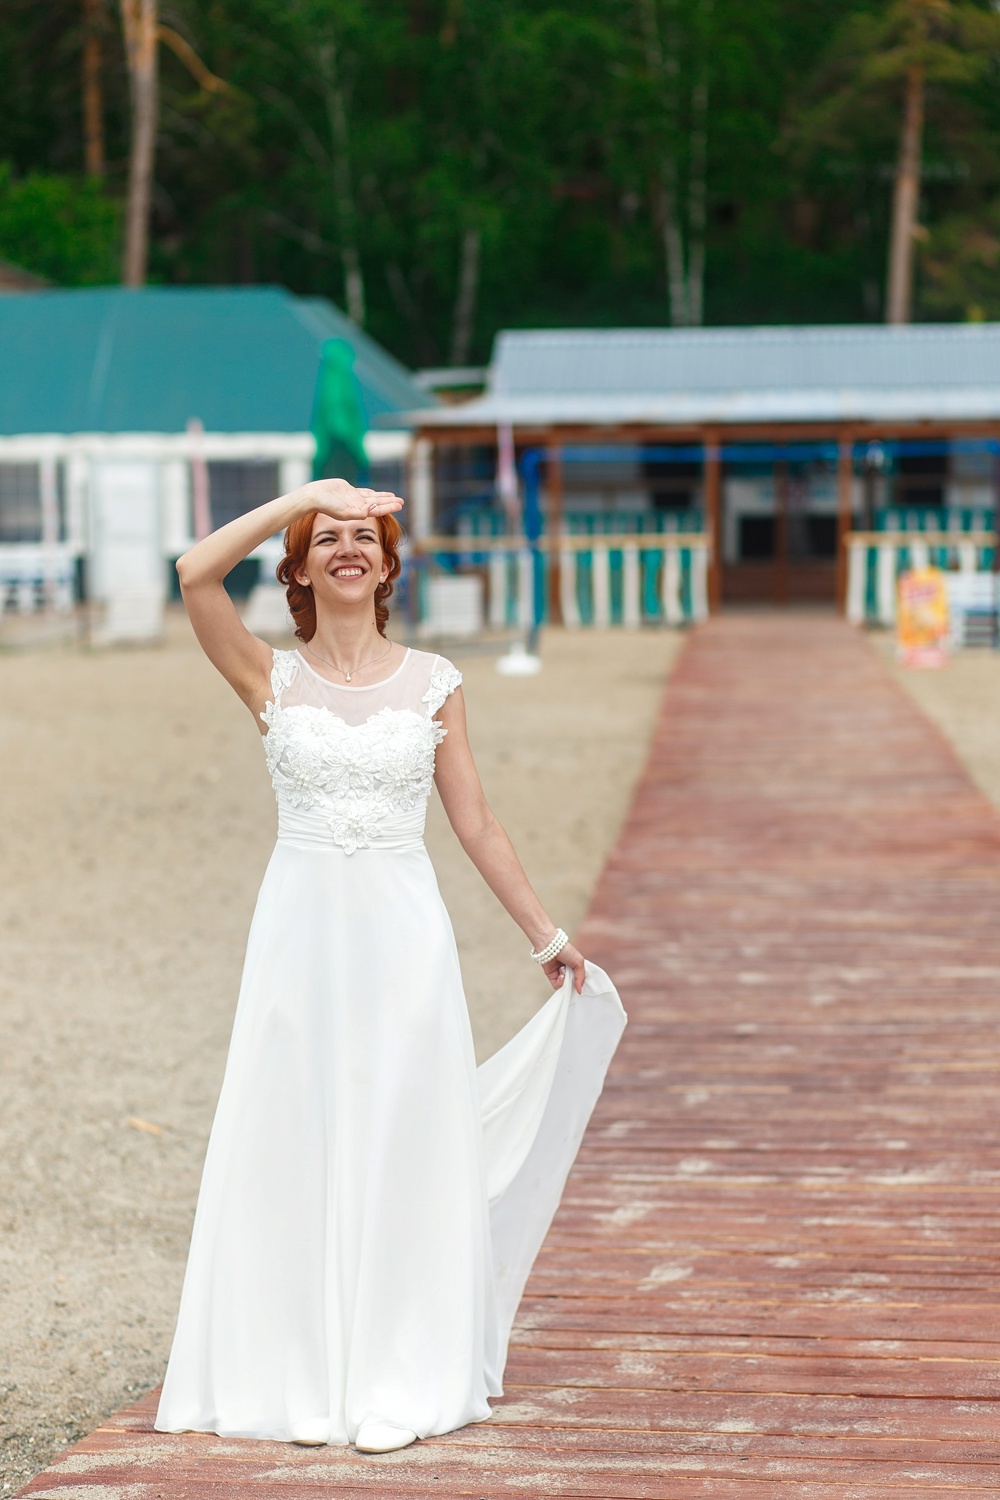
x: 957, y: 540
x: 589, y: 575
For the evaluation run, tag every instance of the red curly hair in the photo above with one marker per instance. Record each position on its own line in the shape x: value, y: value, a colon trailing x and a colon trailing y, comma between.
x: 301, y: 604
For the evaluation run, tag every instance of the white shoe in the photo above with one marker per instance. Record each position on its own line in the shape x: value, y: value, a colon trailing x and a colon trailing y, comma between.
x: 382, y: 1437
x: 312, y: 1433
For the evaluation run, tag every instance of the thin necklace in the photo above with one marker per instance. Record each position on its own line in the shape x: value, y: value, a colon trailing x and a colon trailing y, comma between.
x: 347, y: 675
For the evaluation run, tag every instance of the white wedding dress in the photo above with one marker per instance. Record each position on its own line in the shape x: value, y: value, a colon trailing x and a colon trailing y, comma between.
x: 371, y: 1202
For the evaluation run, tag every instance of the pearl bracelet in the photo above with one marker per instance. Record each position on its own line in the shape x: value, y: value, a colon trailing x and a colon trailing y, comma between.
x: 552, y: 948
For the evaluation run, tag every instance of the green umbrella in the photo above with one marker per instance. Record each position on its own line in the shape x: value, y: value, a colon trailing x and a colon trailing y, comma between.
x: 338, y: 419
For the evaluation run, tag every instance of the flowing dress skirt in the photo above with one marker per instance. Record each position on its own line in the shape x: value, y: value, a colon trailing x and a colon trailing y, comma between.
x: 371, y: 1202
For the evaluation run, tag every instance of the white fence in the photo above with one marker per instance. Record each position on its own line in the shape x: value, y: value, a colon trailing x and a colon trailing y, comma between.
x: 875, y: 560
x: 583, y: 580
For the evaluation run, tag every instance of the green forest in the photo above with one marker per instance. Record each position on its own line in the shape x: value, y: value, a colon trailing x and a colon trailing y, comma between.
x: 445, y: 168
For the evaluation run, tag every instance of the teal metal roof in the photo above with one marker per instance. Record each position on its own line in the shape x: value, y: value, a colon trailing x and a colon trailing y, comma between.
x: 242, y: 359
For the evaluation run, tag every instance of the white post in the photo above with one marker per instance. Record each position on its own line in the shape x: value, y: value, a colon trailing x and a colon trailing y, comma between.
x: 631, y: 608
x: 498, y: 567
x: 670, y: 586
x: 567, y: 588
x: 601, y: 574
x: 50, y: 503
x: 77, y: 491
x: 857, y: 561
x: 920, y: 555
x: 885, y: 584
x: 699, y: 581
x: 421, y: 507
x: 967, y: 557
x: 48, y: 488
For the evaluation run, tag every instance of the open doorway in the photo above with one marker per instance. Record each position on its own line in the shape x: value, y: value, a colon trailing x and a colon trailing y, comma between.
x: 779, y: 534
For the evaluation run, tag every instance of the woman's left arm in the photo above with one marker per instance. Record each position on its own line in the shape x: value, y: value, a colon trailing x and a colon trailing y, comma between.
x: 484, y: 840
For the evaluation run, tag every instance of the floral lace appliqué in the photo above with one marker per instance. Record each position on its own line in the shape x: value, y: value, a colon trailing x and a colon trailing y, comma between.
x: 284, y: 666
x: 443, y: 684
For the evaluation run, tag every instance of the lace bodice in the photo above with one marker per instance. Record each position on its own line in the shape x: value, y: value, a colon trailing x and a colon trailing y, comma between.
x: 355, y: 765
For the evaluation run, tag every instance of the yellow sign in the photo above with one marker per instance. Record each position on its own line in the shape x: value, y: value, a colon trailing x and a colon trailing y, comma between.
x: 922, y: 618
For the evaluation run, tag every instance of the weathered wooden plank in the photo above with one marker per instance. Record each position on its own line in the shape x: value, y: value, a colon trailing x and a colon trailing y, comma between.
x: 634, y: 1486
x: 774, y: 1271
x: 751, y: 1372
x: 115, y: 1443
x: 840, y: 1318
x: 504, y: 1459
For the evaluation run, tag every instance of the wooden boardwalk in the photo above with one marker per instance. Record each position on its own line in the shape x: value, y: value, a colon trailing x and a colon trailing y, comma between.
x: 775, y: 1269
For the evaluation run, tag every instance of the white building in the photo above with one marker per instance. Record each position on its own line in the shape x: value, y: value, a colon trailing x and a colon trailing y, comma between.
x: 122, y: 411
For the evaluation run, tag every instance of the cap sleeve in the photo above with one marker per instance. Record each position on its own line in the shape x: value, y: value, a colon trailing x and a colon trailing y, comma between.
x: 445, y: 678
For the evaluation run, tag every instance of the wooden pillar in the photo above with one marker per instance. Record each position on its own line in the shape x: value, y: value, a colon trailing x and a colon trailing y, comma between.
x: 554, y: 485
x: 713, y: 516
x: 845, y: 517
x: 779, y: 585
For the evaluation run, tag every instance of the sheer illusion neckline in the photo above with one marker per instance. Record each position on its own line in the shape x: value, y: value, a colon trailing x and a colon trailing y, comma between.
x: 362, y: 687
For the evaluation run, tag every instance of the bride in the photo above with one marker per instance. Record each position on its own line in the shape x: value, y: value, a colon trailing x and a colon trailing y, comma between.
x: 371, y: 1202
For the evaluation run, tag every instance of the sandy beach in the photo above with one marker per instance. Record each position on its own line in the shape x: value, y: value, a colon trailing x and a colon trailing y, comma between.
x: 137, y: 820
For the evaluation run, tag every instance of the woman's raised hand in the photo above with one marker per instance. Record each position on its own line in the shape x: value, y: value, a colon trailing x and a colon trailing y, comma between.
x: 345, y: 502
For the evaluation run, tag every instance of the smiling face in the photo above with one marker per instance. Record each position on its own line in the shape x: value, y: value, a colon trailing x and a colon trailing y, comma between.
x: 345, y: 563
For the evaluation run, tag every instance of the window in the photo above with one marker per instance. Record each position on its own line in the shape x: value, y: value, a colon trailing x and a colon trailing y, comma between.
x: 235, y: 488
x: 20, y: 503
x: 756, y: 538
x: 920, y: 479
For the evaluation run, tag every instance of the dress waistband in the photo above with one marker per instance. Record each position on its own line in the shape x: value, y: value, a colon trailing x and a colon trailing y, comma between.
x: 336, y: 828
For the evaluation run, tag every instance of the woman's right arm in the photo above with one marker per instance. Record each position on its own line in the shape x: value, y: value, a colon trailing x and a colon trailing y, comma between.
x: 243, y: 659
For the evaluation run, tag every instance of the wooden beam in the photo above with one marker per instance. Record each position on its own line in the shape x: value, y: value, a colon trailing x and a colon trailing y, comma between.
x: 779, y: 577
x: 713, y: 517
x: 610, y: 541
x: 548, y: 434
x: 845, y: 517
x: 928, y: 538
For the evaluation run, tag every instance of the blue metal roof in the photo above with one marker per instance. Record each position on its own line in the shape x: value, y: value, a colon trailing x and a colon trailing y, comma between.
x: 242, y: 359
x: 869, y: 357
x: 679, y: 375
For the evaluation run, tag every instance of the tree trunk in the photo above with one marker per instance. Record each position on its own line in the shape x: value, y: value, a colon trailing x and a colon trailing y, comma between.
x: 906, y: 199
x: 139, y: 21
x: 343, y: 188
x: 465, y: 302
x: 93, y: 92
x: 697, y: 206
x: 698, y: 177
x: 663, y: 71
x: 673, y: 244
